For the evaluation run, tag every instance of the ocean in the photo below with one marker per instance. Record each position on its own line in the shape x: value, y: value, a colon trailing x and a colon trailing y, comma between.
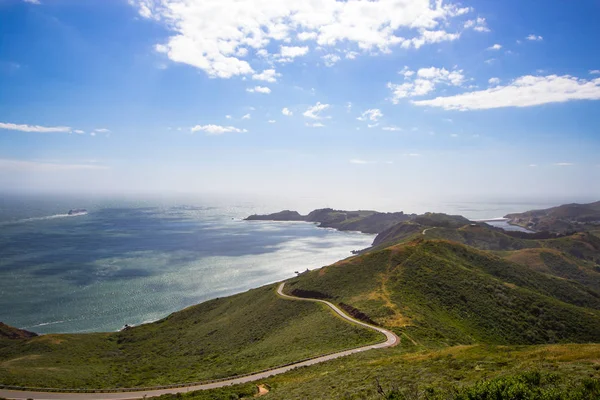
x: 131, y: 261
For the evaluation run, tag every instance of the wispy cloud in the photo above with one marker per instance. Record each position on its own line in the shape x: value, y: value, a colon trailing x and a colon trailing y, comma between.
x: 34, y: 128
x: 525, y: 91
x: 373, y: 114
x: 259, y: 89
x: 102, y: 130
x: 534, y: 38
x: 563, y: 164
x: 314, y: 112
x: 216, y: 129
x: 495, y: 47
x: 246, y: 116
x: 23, y: 165
x: 268, y: 75
x: 423, y: 82
x: 315, y: 125
x: 286, y: 111
x: 359, y: 161
x: 391, y: 128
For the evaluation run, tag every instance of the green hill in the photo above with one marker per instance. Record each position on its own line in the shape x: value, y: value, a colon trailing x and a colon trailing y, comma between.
x: 219, y: 338
x: 437, y: 292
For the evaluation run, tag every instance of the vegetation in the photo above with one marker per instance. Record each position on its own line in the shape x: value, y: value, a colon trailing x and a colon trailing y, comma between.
x: 219, y: 338
x: 481, y: 313
x: 443, y: 293
x: 565, y: 218
x: 443, y: 373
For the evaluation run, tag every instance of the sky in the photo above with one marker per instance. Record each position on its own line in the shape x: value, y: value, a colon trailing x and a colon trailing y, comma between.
x: 352, y: 101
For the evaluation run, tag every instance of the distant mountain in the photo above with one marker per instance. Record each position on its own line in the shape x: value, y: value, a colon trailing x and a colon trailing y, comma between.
x: 365, y: 221
x: 565, y: 218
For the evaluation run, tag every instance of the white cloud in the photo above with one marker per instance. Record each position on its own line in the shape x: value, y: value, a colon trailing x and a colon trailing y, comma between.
x: 92, y: 133
x: 272, y: 121
x: 32, y: 1
x: 358, y: 161
x: 495, y: 47
x: 216, y: 129
x: 349, y: 106
x: 315, y: 125
x: 595, y: 71
x: 412, y: 155
x: 314, y: 112
x: 102, y: 130
x: 22, y: 165
x: 525, y: 91
x: 351, y: 55
x: 268, y: 75
x: 372, y: 115
x: 286, y: 111
x: 494, y: 81
x: 407, y: 72
x: 228, y: 116
x: 259, y: 89
x: 33, y: 128
x: 79, y: 131
x: 564, y: 164
x: 454, y: 135
x: 331, y: 59
x: 425, y: 82
x: 391, y: 128
x: 533, y: 165
x: 490, y: 61
x: 535, y: 38
x: 478, y: 25
x: 288, y: 53
x: 209, y: 34
x: 246, y: 116
x: 303, y: 36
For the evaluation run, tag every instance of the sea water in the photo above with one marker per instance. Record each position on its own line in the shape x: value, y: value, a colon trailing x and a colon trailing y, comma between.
x: 135, y: 261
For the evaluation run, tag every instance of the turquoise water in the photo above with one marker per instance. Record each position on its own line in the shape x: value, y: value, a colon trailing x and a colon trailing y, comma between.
x: 132, y: 262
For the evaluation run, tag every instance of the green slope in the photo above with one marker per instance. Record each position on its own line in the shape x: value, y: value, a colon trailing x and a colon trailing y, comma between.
x: 219, y: 338
x: 442, y: 293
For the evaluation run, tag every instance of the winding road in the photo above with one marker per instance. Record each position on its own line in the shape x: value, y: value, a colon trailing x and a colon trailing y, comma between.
x: 391, y: 340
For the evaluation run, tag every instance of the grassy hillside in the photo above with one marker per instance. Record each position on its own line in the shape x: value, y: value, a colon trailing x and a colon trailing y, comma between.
x: 442, y: 293
x: 449, y: 372
x: 219, y: 338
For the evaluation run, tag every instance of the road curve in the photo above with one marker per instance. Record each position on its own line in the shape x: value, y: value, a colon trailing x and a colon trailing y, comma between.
x: 391, y: 340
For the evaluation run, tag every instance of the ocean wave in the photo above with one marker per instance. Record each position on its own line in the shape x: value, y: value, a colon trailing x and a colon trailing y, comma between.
x: 33, y: 219
x: 45, y: 324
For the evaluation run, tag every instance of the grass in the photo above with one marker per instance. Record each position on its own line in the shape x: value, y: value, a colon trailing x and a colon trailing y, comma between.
x: 449, y: 371
x: 447, y: 294
x: 219, y: 338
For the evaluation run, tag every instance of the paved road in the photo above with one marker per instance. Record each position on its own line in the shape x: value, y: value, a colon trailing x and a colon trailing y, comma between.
x: 391, y: 340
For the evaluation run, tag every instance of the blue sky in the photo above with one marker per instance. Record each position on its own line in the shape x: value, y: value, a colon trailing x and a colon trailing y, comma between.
x: 355, y: 101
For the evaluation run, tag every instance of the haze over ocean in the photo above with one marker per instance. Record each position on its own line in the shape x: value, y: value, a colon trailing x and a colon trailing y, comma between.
x: 133, y: 261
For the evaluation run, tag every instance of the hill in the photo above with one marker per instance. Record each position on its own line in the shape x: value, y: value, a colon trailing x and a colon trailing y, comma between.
x: 437, y: 292
x: 365, y: 221
x: 244, y: 333
x: 564, y: 218
x: 8, y: 332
